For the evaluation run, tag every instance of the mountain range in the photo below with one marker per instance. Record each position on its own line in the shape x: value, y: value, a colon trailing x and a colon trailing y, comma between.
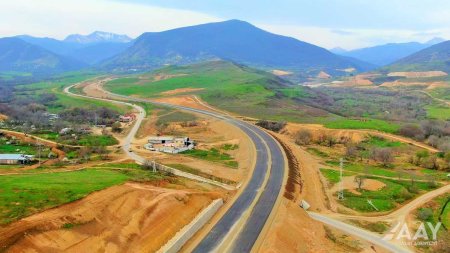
x: 382, y: 55
x: 97, y: 37
x: 89, y: 49
x: 18, y: 55
x: 232, y: 40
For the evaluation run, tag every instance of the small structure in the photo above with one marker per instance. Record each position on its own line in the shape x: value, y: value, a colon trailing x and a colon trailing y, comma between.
x: 129, y: 117
x: 305, y: 205
x: 161, y: 139
x: 169, y: 144
x: 15, y: 159
x: 65, y: 131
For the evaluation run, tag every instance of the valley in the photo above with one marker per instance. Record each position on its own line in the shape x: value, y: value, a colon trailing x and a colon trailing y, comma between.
x: 223, y: 137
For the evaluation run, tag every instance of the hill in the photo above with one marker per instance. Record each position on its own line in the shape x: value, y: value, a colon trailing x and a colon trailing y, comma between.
x: 232, y: 40
x: 230, y: 86
x: 386, y: 54
x: 436, y: 57
x: 20, y: 56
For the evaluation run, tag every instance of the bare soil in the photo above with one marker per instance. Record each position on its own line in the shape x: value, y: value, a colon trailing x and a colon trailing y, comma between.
x: 278, y: 72
x: 323, y: 75
x: 418, y: 74
x: 178, y: 91
x: 131, y: 217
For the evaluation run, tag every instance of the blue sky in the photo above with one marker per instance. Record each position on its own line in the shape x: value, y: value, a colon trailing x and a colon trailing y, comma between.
x: 332, y: 23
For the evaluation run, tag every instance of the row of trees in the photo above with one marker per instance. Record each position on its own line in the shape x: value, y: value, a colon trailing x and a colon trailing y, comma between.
x: 436, y: 133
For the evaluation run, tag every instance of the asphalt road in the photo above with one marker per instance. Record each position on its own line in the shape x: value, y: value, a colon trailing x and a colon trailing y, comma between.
x: 269, y: 160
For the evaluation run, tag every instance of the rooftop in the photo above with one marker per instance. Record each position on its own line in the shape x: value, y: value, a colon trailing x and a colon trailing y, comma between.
x: 14, y: 156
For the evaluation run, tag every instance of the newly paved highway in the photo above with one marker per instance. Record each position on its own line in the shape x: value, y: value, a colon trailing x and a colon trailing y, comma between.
x: 269, y: 161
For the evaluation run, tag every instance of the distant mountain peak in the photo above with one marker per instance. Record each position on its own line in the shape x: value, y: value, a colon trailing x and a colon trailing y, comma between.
x: 434, y: 41
x: 97, y: 37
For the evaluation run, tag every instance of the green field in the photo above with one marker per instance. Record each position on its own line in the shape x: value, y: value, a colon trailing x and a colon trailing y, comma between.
x: 441, y: 93
x: 83, y: 140
x: 175, y: 116
x: 333, y: 176
x: 230, y: 87
x: 438, y: 112
x: 395, y: 192
x: 317, y: 152
x: 374, y: 124
x: 65, y: 101
x: 383, y: 143
x: 25, y: 194
x: 22, y: 195
x: 212, y: 155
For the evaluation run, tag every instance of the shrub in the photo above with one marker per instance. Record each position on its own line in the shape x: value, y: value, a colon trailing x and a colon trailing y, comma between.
x: 425, y: 214
x: 303, y: 137
x: 412, y: 131
x: 382, y: 155
x: 275, y: 126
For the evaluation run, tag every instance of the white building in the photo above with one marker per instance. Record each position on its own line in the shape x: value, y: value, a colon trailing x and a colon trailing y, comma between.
x: 15, y: 158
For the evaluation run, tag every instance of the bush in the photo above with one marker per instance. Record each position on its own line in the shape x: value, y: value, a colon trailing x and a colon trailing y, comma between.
x: 425, y: 214
x: 117, y: 127
x: 382, y: 155
x: 275, y: 126
x: 412, y: 131
x: 303, y: 137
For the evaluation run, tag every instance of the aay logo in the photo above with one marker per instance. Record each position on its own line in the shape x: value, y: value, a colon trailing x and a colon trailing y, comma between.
x: 402, y: 233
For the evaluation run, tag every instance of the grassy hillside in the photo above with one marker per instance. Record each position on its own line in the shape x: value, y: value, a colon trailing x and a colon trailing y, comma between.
x: 436, y: 57
x: 228, y: 86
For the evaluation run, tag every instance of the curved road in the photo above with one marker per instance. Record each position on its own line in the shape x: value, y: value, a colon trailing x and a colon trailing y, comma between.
x: 259, y: 196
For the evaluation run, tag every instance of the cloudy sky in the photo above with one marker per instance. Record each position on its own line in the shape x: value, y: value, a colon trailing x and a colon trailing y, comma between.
x: 327, y: 23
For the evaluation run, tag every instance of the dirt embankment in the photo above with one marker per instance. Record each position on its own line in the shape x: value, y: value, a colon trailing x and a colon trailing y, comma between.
x: 3, y: 117
x: 178, y: 91
x: 131, y: 217
x: 418, y: 74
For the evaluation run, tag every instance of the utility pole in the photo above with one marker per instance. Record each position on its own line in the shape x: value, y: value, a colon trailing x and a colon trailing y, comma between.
x: 39, y: 152
x: 341, y: 186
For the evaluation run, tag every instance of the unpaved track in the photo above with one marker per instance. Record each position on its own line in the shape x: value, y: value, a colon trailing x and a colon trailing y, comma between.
x: 400, y: 214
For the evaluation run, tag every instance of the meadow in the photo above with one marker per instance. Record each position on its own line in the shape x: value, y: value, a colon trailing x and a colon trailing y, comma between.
x: 23, y: 195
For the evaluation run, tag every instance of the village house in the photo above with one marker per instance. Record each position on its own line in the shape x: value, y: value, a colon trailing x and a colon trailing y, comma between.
x: 15, y: 159
x: 169, y: 144
x: 129, y: 117
x: 65, y: 131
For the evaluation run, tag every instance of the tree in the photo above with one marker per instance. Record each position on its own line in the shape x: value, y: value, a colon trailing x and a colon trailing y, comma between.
x: 116, y: 127
x: 412, y: 131
x: 147, y: 165
x: 303, y: 137
x: 351, y: 150
x: 359, y: 180
x: 420, y: 155
x: 383, y: 155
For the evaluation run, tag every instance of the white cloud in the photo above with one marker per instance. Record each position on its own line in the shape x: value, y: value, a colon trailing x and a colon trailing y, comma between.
x: 58, y: 18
